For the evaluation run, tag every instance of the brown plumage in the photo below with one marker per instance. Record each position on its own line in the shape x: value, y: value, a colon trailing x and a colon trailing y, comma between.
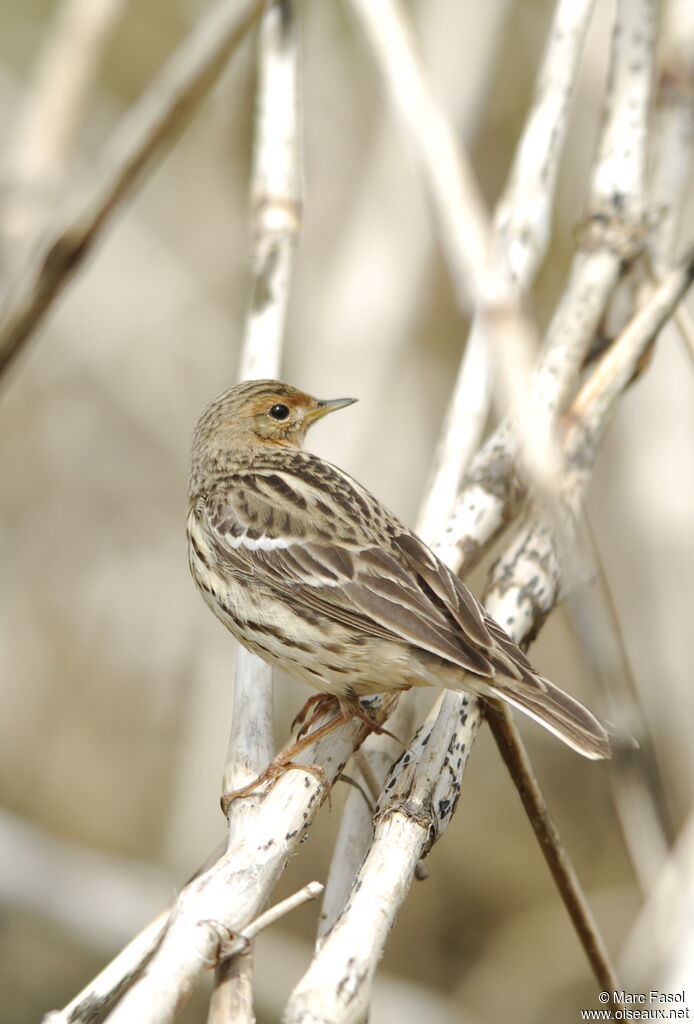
x: 309, y: 571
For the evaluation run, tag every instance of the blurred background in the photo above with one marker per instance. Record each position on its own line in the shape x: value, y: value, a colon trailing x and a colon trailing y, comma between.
x: 114, y: 677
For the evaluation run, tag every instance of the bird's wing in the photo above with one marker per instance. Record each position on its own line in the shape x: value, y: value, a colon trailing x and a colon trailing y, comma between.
x: 327, y: 547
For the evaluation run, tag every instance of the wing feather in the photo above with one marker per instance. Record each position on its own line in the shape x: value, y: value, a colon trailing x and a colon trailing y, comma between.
x: 276, y: 529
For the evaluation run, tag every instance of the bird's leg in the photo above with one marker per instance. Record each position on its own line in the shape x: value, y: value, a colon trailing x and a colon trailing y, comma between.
x: 284, y: 761
x: 321, y: 704
x: 349, y: 707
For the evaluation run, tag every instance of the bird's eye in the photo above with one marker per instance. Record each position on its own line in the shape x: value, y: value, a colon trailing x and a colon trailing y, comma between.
x: 279, y: 412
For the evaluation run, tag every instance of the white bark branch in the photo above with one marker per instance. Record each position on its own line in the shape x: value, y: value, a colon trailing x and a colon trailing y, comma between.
x: 182, y: 945
x: 524, y: 584
x: 356, y: 827
x: 522, y: 221
x: 418, y: 801
x: 226, y: 898
x: 275, y: 191
x: 522, y: 225
x: 275, y: 211
x: 477, y: 267
x: 614, y: 234
x: 306, y: 1003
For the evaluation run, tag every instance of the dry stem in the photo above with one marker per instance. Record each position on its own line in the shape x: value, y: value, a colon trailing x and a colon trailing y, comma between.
x: 143, y: 136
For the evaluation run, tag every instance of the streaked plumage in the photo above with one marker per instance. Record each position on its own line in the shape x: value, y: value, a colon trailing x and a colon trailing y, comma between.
x: 309, y: 571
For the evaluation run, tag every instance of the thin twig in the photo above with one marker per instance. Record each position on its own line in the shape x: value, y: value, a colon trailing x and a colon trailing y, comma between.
x: 144, y: 134
x: 639, y: 792
x: 516, y: 759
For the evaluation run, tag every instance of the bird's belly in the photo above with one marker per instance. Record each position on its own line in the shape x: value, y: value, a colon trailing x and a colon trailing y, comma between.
x: 314, y: 649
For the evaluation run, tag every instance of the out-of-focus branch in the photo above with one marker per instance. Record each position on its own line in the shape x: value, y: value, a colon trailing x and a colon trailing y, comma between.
x: 613, y: 235
x: 660, y: 946
x: 275, y: 190
x: 521, y: 230
x: 592, y: 409
x: 143, y: 135
x: 673, y: 141
x: 475, y: 264
x: 517, y: 590
x: 673, y: 137
x: 39, y: 148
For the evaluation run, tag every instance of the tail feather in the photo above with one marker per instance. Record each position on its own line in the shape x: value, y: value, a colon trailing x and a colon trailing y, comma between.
x: 559, y: 713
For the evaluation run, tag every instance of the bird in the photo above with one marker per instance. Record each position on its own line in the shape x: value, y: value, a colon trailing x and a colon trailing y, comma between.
x: 308, y: 570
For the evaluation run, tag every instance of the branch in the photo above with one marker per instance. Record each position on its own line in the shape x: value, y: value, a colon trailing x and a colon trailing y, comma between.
x: 521, y: 231
x: 477, y: 268
x: 275, y: 211
x: 275, y: 191
x: 328, y: 961
x: 673, y: 142
x: 613, y: 235
x: 515, y: 756
x: 373, y: 762
x: 221, y: 901
x: 39, y: 148
x: 517, y: 591
x: 343, y: 967
x: 418, y: 801
x: 143, y: 136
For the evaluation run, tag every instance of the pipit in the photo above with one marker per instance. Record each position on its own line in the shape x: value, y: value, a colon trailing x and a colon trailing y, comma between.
x: 310, y: 572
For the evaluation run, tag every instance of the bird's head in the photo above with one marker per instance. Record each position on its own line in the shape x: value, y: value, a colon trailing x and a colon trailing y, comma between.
x: 258, y: 412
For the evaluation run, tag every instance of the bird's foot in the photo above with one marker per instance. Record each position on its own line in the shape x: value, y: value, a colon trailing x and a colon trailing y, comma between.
x: 346, y: 707
x: 275, y: 770
x: 352, y: 707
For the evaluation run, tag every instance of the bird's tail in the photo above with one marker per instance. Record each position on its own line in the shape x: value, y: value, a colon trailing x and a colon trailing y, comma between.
x: 558, y: 712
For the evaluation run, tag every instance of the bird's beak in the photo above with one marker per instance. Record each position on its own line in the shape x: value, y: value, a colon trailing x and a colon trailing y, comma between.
x: 323, y: 408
